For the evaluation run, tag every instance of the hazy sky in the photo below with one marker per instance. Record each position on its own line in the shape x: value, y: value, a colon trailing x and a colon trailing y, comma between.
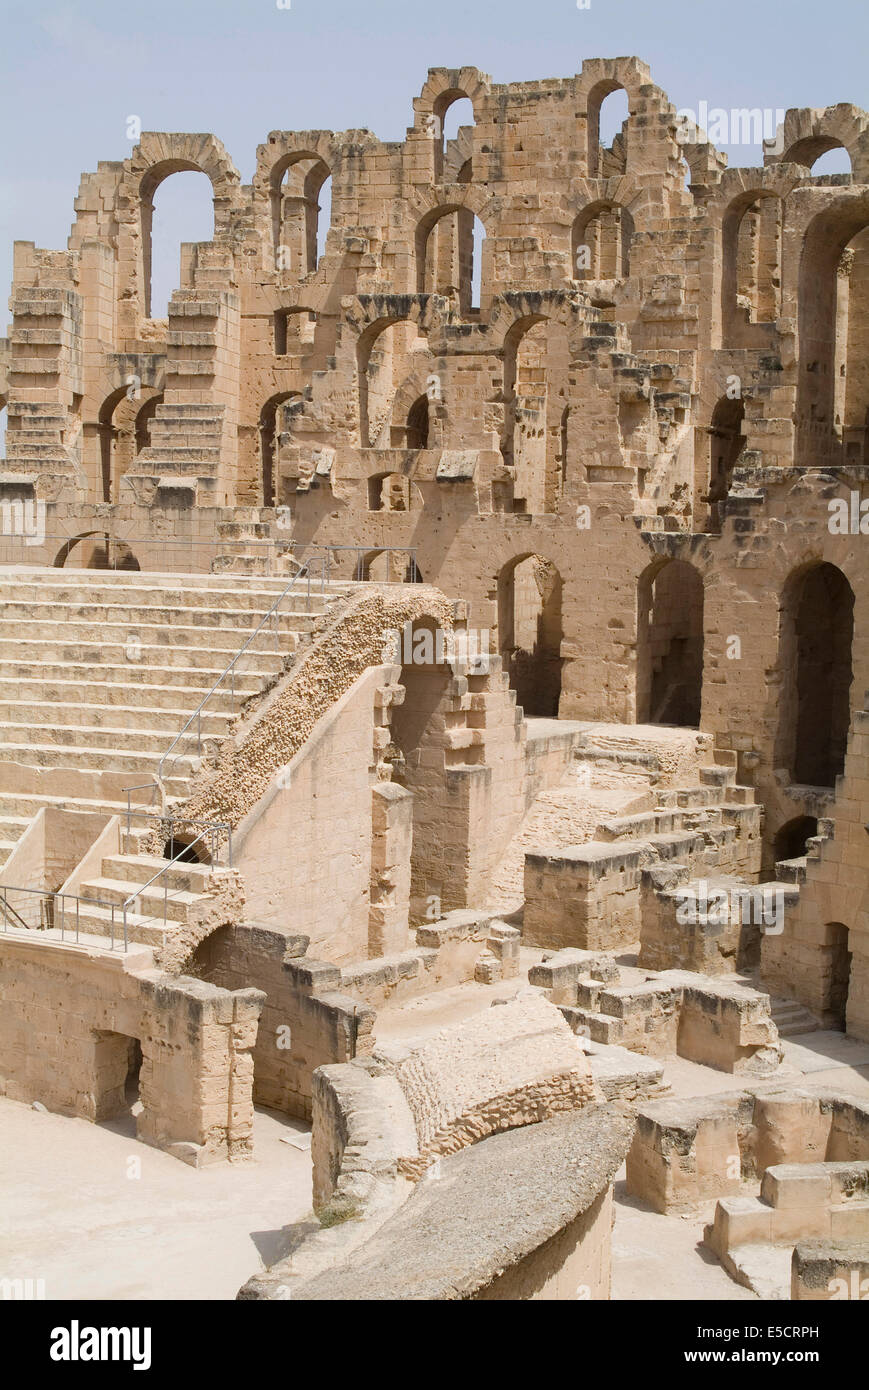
x: 72, y: 73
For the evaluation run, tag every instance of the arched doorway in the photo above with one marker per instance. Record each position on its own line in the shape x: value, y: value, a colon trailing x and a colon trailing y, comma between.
x: 793, y: 837
x: 182, y: 213
x: 726, y: 443
x: 419, y: 765
x: 530, y: 633
x: 95, y: 551
x: 670, y: 645
x: 268, y: 435
x: 838, y: 974
x: 816, y: 634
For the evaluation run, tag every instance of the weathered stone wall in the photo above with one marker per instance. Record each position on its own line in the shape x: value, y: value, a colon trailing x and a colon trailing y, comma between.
x: 308, y: 1018
x: 69, y: 1016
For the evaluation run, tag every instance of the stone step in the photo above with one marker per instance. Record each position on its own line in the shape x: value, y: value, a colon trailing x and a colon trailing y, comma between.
x: 151, y: 618
x: 24, y: 806
x: 148, y: 905
x: 18, y: 716
x: 181, y: 651
x: 791, y: 1018
x: 47, y: 755
x: 159, y: 582
x: 721, y: 776
x: 96, y: 920
x: 791, y: 870
x: 103, y: 695
x: 137, y: 869
x: 238, y: 599
x: 126, y: 738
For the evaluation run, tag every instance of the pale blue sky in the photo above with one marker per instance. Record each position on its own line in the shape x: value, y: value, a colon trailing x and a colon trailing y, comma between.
x: 71, y: 73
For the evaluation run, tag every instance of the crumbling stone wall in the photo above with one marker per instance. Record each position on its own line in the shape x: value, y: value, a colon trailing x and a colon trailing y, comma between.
x: 69, y: 1016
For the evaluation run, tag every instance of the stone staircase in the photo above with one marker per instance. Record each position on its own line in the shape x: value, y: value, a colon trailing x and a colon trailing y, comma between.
x: 100, y: 672
x: 170, y: 903
x: 791, y: 1018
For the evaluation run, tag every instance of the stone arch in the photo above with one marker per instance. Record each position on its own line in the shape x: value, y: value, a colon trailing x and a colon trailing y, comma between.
x: 294, y: 328
x: 791, y: 839
x: 295, y: 213
x: 537, y: 353
x: 96, y: 550
x: 268, y: 434
x: 816, y: 630
x: 443, y: 86
x: 726, y: 442
x: 389, y: 492
x: 444, y: 250
x: 670, y: 643
x: 605, y: 229
x: 376, y: 380
x: 386, y: 567
x: 120, y: 433
x: 155, y: 158
x: 751, y: 274
x: 422, y: 384
x: 822, y: 303
x: 807, y: 133
x: 530, y: 631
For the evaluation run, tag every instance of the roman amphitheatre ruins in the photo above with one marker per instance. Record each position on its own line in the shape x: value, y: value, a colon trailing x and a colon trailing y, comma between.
x: 433, y: 708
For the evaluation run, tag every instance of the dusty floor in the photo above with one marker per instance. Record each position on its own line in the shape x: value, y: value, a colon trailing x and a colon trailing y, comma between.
x: 79, y: 1222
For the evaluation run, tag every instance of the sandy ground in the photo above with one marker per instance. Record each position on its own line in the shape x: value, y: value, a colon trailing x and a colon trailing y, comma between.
x: 72, y: 1216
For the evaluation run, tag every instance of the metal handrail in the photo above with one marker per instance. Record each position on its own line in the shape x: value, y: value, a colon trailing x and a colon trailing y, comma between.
x: 54, y: 898
x: 7, y: 908
x: 164, y: 869
x: 213, y: 829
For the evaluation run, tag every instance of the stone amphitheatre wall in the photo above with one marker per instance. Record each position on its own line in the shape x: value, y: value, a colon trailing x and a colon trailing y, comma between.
x: 619, y: 452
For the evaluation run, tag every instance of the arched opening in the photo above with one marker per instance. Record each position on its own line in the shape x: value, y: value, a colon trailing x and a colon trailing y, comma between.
x: 726, y: 443
x: 121, y: 431
x: 601, y: 242
x: 751, y: 264
x: 793, y: 838
x: 388, y: 492
x: 449, y: 255
x: 183, y: 848
x: 387, y: 355
x: 268, y: 436
x: 417, y: 424
x: 177, y: 212
x: 142, y: 428
x: 95, y: 550
x: 816, y: 634
x: 294, y: 330
x: 833, y: 389
x: 301, y: 196
x: 117, y: 1070
x: 822, y: 154
x: 670, y: 645
x: 4, y: 422
x: 608, y: 114
x: 533, y: 441
x: 562, y: 446
x: 837, y: 975
x: 419, y: 744
x: 530, y: 633
x: 324, y: 218
x: 453, y: 118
